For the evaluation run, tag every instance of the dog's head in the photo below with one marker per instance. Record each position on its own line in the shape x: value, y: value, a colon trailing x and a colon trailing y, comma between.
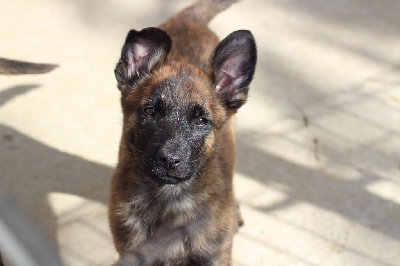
x: 173, y: 112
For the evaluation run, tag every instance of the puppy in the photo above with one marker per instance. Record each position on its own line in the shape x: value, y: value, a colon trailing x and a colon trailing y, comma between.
x: 172, y: 200
x: 14, y: 67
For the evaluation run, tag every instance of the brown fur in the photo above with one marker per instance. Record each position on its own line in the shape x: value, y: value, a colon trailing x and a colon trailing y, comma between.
x: 127, y: 182
x: 191, y: 222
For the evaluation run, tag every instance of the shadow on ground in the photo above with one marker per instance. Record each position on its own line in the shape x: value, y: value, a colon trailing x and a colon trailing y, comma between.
x: 30, y: 171
x: 349, y: 199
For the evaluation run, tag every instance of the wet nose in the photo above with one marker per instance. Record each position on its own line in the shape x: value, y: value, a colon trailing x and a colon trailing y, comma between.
x: 169, y: 160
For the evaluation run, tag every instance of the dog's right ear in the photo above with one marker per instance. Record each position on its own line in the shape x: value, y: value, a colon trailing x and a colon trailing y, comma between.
x: 142, y: 52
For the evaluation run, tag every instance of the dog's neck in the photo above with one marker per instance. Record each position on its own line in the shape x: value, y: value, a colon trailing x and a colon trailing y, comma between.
x: 164, y: 200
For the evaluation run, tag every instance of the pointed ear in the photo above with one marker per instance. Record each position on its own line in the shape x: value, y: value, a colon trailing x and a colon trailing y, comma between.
x: 142, y: 52
x: 231, y: 67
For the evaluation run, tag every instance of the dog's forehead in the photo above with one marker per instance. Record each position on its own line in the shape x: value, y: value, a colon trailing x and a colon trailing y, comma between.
x: 182, y: 88
x: 179, y: 89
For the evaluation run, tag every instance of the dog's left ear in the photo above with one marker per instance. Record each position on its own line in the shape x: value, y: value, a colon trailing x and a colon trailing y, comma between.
x: 231, y: 67
x: 142, y: 52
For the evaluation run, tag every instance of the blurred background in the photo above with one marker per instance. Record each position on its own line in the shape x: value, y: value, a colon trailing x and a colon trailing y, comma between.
x: 318, y: 164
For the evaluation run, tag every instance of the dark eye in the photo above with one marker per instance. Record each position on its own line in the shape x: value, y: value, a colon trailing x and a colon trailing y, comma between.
x: 201, y: 121
x: 150, y: 111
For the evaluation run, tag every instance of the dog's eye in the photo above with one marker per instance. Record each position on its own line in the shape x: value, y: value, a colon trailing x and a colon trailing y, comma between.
x: 149, y: 111
x: 199, y: 116
x: 201, y: 121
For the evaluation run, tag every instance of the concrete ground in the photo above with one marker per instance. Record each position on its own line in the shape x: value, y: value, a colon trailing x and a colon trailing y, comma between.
x: 318, y: 174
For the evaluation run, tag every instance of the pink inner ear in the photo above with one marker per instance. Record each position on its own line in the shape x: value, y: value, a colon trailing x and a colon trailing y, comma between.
x: 141, y: 50
x: 136, y: 59
x: 131, y: 64
x: 225, y: 81
x: 230, y: 73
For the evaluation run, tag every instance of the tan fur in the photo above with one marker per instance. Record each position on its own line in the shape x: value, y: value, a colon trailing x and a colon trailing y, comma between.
x: 171, y: 223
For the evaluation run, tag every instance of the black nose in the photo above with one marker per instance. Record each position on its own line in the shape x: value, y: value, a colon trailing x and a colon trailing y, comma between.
x: 169, y: 160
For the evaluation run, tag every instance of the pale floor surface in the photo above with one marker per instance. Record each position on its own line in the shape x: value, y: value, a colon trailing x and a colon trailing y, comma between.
x: 318, y: 174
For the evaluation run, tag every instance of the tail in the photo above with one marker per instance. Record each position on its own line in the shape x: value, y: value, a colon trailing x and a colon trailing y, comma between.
x: 203, y: 11
x: 13, y: 67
